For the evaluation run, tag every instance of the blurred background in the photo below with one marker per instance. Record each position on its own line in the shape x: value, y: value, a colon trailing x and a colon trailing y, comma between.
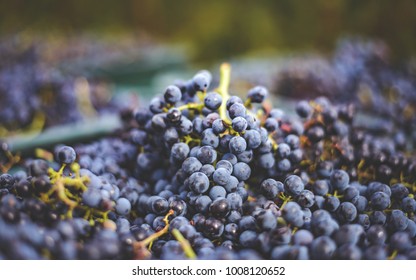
x: 100, y: 56
x: 218, y: 30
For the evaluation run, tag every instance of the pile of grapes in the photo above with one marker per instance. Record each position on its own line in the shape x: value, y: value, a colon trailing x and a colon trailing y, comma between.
x: 203, y: 174
x: 35, y: 95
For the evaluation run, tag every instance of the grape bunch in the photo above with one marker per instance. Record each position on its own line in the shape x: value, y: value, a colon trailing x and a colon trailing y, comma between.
x: 35, y: 95
x: 202, y: 174
x: 360, y: 72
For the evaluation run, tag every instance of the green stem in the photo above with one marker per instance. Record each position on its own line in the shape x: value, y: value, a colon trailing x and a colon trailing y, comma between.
x: 189, y: 252
x: 191, y: 106
x: 225, y: 75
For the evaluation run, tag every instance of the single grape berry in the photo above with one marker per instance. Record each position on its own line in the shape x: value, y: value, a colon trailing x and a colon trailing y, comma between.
x: 257, y: 94
x: 66, y: 155
x: 213, y: 100
x: 6, y: 181
x: 172, y: 94
x: 339, y: 179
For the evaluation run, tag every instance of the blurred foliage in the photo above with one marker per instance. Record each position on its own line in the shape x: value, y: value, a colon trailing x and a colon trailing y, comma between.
x: 216, y: 30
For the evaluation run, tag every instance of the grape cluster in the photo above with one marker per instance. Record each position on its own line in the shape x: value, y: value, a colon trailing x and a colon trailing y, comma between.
x: 35, y: 95
x: 200, y: 173
x: 360, y: 72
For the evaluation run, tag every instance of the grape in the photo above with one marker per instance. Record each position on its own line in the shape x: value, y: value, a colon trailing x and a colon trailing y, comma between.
x: 271, y: 124
x: 257, y: 94
x: 92, y: 197
x: 216, y: 192
x: 231, y: 231
x: 213, y: 100
x: 6, y: 181
x: 172, y: 94
x: 180, y: 151
x: 398, y: 220
x: 376, y: 235
x: 252, y: 138
x: 156, y: 105
x: 232, y: 184
x: 191, y: 165
x: 239, y: 124
x: 347, y: 212
x: 332, y: 203
x: 218, y: 126
x: 158, y: 205
x: 380, y: 201
x: 293, y: 214
x: 339, y: 180
x: 294, y: 185
x: 266, y: 220
x: 206, y: 154
x: 230, y: 157
x: 241, y: 171
x: 232, y: 100
x: 198, y: 182
x: 235, y: 201
x: 208, y: 170
x: 210, y: 138
x: 237, y: 110
x: 320, y: 187
x: 248, y: 239
x: 66, y: 155
x: 237, y: 145
x: 306, y: 199
x: 283, y: 150
x: 201, y: 80
x: 203, y: 203
x: 303, y: 109
x: 213, y: 228
x: 123, y: 206
x: 322, y: 248
x: 302, y: 237
x: 219, y: 208
x: 271, y: 188
x: 221, y: 176
x: 225, y: 164
x: 408, y: 205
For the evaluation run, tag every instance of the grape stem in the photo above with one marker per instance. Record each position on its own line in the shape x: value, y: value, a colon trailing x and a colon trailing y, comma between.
x: 189, y: 252
x: 191, y: 106
x: 225, y: 75
x: 158, y: 234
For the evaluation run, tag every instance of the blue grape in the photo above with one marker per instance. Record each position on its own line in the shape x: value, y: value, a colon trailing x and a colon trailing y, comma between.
x: 234, y: 201
x: 225, y: 164
x: 221, y: 176
x: 237, y: 145
x: 294, y: 185
x: 66, y: 155
x: 380, y: 201
x: 252, y: 138
x: 339, y: 179
x: 198, y: 182
x: 241, y: 171
x: 206, y: 155
x: 239, y: 124
x: 347, y: 212
x: 209, y: 138
x: 216, y: 192
x: 218, y: 126
x: 237, y: 110
x: 213, y: 100
x: 257, y: 94
x: 172, y: 94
